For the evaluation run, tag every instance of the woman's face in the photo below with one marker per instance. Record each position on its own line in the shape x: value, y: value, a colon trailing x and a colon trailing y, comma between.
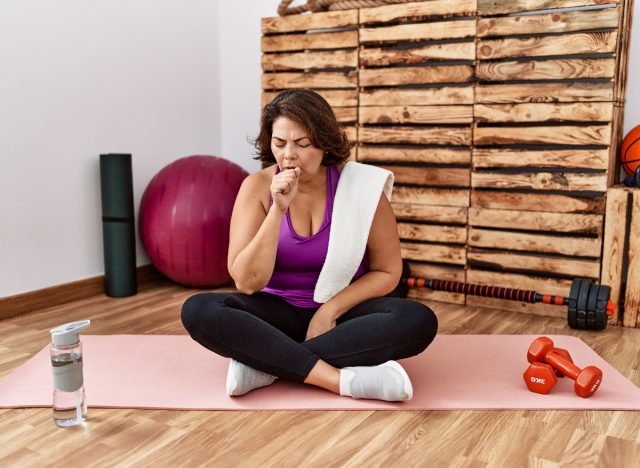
x: 292, y: 147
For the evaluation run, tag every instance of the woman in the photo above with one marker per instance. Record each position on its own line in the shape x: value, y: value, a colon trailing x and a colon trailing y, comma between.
x: 278, y: 242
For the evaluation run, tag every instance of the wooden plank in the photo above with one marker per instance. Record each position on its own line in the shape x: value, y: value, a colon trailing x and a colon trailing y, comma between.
x: 539, y: 309
x: 498, y: 200
x: 431, y: 196
x: 544, y: 92
x: 566, y: 44
x: 416, y: 135
x: 416, y: 114
x: 305, y: 22
x: 310, y: 60
x: 336, y: 97
x: 617, y: 129
x: 415, y: 155
x: 346, y: 114
x: 614, y: 249
x: 433, y: 253
x: 432, y: 176
x: 501, y: 158
x: 428, y: 270
x: 417, y: 97
x: 541, y: 112
x: 378, y: 56
x: 418, y: 32
x: 388, y: 13
x: 352, y: 133
x: 442, y: 272
x: 549, y: 23
x: 536, y: 221
x: 541, y: 181
x: 539, y: 284
x: 310, y: 80
x: 577, y: 246
x: 546, y: 69
x: 327, y: 40
x: 415, y: 75
x: 425, y: 294
x: 432, y: 233
x: 622, y: 53
x: 433, y: 214
x: 552, y: 135
x: 632, y: 296
x: 512, y: 261
x: 497, y: 7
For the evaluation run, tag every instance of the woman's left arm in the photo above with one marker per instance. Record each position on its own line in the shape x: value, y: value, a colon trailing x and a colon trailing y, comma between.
x: 385, y: 269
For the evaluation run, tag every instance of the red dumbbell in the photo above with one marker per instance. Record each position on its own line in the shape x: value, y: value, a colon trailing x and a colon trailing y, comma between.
x: 587, y: 380
x: 565, y: 354
x: 540, y: 377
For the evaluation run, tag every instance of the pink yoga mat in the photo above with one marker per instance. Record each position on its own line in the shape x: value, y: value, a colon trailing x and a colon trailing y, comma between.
x: 174, y: 372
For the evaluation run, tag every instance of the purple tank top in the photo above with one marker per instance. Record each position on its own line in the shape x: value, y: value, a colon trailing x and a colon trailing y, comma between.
x: 299, y: 259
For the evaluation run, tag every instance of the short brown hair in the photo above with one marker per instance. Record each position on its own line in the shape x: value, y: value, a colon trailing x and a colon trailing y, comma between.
x: 314, y: 114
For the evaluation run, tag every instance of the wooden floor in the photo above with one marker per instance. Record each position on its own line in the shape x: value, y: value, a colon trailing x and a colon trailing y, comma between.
x: 313, y: 438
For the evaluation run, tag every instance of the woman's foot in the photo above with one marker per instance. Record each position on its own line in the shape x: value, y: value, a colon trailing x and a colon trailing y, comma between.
x: 242, y: 379
x: 388, y: 381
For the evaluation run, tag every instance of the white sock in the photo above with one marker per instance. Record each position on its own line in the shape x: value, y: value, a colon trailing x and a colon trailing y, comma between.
x: 242, y: 379
x: 388, y: 382
x: 346, y: 376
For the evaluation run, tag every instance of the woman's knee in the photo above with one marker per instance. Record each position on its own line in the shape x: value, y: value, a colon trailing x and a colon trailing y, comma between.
x: 423, y: 321
x: 195, y: 308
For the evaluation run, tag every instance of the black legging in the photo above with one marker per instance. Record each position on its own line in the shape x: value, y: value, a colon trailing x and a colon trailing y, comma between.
x: 267, y: 333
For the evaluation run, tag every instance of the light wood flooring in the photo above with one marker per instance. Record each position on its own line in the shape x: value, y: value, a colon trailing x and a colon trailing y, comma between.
x: 313, y: 438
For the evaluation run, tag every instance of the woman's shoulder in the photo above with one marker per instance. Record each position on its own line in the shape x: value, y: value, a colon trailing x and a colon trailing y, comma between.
x: 256, y: 185
x: 261, y: 178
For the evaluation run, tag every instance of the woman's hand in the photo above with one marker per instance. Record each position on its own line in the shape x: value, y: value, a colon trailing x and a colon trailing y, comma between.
x: 322, y: 321
x: 284, y: 187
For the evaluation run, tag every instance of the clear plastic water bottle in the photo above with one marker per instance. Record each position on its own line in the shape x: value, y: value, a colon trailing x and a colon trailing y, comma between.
x: 69, y: 403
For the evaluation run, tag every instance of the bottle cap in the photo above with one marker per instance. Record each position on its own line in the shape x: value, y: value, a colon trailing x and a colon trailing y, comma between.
x: 69, y: 333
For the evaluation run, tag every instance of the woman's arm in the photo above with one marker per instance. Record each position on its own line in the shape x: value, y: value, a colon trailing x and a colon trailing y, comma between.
x: 385, y: 263
x: 253, y: 237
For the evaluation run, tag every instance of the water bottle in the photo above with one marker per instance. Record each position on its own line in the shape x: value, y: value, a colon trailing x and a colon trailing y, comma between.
x: 69, y: 404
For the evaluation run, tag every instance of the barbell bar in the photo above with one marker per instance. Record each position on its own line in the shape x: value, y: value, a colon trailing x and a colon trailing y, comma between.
x: 588, y: 305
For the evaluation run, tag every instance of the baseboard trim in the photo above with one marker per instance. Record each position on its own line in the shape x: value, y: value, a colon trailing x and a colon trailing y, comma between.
x: 61, y: 294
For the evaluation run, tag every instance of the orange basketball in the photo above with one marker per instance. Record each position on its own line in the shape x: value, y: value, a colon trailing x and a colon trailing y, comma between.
x: 630, y: 151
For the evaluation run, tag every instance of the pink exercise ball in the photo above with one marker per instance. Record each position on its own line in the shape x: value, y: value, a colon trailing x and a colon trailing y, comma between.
x: 185, y: 215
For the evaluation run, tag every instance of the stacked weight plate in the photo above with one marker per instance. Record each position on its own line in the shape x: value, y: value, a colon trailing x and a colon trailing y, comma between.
x: 415, y: 119
x: 543, y: 130
x: 318, y: 51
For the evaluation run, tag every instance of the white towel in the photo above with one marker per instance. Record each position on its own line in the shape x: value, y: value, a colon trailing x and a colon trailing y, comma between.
x: 354, y: 206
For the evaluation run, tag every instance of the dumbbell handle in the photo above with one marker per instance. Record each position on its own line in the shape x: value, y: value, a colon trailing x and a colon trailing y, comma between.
x: 509, y: 294
x: 567, y: 368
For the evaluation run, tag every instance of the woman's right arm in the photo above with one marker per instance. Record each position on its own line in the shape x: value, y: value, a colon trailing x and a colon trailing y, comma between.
x: 253, y: 238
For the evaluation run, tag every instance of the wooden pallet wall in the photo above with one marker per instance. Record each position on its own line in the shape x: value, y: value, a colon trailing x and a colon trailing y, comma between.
x: 499, y: 119
x: 543, y: 118
x: 415, y: 119
x: 319, y: 52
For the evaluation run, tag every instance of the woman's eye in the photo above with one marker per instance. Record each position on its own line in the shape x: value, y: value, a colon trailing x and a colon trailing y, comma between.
x: 279, y: 146
x: 304, y: 146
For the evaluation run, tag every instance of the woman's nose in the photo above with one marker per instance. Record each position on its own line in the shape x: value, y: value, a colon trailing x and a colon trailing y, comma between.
x: 289, y: 152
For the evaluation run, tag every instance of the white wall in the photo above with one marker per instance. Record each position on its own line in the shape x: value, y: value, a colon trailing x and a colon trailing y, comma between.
x: 157, y: 78
x: 240, y: 71
x: 81, y: 78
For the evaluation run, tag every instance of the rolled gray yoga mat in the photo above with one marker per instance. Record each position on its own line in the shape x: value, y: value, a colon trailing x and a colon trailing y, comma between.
x: 118, y: 225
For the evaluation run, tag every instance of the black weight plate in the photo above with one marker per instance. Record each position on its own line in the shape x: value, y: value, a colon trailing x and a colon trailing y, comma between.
x: 592, y: 304
x: 573, y: 302
x: 581, y: 308
x: 601, y: 308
